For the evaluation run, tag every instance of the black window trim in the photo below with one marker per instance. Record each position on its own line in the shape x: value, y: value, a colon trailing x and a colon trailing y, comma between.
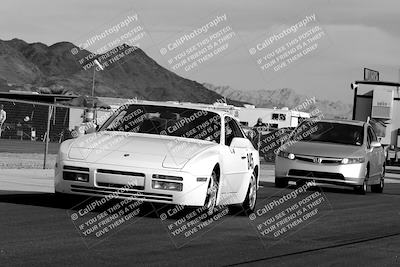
x: 228, y: 119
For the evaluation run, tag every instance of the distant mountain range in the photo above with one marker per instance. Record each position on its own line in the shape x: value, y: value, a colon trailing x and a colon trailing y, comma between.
x: 53, y: 69
x: 284, y: 97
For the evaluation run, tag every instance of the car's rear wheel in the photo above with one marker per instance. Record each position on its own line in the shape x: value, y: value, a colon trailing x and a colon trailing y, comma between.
x: 281, y: 182
x: 378, y: 188
x: 249, y: 203
x: 212, y: 190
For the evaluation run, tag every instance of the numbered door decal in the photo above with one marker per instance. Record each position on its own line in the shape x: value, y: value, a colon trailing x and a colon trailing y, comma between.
x: 250, y: 161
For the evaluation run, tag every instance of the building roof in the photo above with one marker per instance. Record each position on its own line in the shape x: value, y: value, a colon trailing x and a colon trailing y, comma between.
x: 34, y: 97
x: 385, y: 83
x: 116, y: 102
x: 342, y: 121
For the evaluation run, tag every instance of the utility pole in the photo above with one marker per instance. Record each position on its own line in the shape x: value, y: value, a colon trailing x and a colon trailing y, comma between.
x: 46, y: 148
x: 94, y: 75
x: 399, y: 75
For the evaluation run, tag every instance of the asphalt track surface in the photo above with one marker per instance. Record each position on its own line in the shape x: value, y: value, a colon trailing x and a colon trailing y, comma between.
x: 353, y: 230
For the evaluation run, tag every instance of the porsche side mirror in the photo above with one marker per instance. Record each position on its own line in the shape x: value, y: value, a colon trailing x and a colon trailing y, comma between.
x: 91, y: 129
x: 238, y: 142
x: 375, y: 144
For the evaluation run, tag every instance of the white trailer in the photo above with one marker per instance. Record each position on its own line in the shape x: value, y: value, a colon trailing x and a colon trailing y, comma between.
x: 272, y: 117
x: 248, y: 115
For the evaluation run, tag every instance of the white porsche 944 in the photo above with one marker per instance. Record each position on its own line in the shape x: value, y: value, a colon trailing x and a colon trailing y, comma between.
x: 163, y: 154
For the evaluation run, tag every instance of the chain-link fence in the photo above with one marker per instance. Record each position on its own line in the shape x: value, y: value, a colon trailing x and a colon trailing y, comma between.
x: 32, y: 133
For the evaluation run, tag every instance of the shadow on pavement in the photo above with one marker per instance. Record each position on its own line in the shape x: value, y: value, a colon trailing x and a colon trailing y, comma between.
x: 390, y: 189
x: 74, y: 203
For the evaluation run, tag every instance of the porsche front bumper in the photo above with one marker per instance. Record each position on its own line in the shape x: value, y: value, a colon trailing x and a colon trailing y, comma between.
x: 127, y: 182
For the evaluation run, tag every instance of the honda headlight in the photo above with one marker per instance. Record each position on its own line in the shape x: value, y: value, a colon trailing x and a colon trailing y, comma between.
x: 287, y: 155
x: 353, y: 160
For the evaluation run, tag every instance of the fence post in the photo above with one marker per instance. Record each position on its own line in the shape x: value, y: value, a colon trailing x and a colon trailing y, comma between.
x: 46, y: 149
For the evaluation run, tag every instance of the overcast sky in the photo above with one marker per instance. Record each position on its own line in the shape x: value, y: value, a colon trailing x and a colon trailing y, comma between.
x: 359, y: 34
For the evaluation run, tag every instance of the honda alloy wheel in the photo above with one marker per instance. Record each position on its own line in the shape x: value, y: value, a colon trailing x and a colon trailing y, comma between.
x: 378, y: 188
x: 362, y: 189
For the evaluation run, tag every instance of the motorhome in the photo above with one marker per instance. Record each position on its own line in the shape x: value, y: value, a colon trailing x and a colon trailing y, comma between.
x: 272, y: 117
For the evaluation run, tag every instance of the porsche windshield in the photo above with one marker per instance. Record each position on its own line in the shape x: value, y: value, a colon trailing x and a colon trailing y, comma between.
x: 160, y: 120
x: 330, y: 132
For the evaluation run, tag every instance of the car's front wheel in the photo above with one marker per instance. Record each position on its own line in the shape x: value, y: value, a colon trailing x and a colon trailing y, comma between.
x: 249, y: 203
x: 212, y: 190
x: 362, y: 189
x: 378, y: 188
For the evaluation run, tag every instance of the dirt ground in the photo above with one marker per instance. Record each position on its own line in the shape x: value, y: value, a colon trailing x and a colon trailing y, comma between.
x: 26, y: 161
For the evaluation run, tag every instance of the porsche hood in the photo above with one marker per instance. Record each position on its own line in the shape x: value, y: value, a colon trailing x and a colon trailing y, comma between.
x: 136, y: 150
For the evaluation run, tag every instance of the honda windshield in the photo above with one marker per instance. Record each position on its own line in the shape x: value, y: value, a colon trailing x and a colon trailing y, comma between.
x: 331, y: 132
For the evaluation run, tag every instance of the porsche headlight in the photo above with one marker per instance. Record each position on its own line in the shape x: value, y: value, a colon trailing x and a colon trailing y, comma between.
x: 64, y: 149
x: 79, y: 153
x: 164, y: 184
x: 353, y: 160
x: 167, y: 185
x: 287, y: 155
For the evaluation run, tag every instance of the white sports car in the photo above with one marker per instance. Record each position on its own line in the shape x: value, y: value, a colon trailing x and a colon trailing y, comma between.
x: 163, y: 154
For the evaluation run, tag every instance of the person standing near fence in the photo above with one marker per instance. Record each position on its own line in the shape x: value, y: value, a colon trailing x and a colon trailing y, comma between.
x: 260, y: 126
x: 3, y: 117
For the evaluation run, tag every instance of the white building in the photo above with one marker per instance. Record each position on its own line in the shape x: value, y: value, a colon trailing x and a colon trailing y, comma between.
x: 380, y: 101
